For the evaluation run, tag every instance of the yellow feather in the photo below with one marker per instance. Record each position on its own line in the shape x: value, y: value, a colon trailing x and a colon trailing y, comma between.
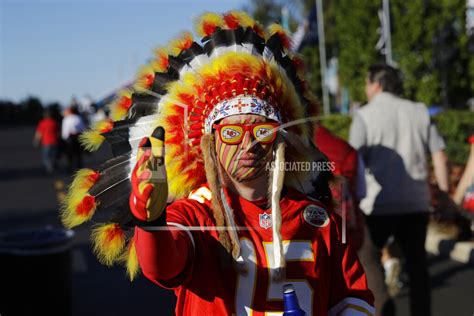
x: 175, y: 46
x: 82, y: 180
x: 244, y: 19
x: 160, y: 62
x: 68, y: 212
x: 108, y: 242
x: 118, y: 113
x: 140, y: 78
x: 77, y: 191
x: 91, y: 140
x: 207, y: 19
x: 130, y: 259
x: 274, y: 28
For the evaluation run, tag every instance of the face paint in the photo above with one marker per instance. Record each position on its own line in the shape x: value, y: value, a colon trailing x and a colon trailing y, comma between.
x: 243, y: 162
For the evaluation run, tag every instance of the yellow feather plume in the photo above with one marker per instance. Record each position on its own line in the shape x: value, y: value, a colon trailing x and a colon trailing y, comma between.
x: 83, y: 180
x: 130, y: 259
x: 182, y: 42
x: 92, y: 138
x: 144, y: 78
x: 240, y: 18
x: 117, y: 109
x: 160, y: 63
x: 278, y: 29
x: 108, y: 242
x: 76, y: 207
x: 207, y: 23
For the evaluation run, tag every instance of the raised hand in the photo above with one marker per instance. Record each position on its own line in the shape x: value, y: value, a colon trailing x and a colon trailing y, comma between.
x: 149, y: 183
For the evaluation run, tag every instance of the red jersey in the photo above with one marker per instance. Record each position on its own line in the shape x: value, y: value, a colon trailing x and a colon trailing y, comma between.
x: 49, y: 131
x: 325, y: 273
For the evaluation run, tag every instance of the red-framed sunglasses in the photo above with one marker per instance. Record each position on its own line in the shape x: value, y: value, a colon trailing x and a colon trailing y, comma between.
x: 232, y: 134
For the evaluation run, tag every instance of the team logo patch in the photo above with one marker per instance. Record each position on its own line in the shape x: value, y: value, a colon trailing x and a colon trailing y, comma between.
x: 265, y: 220
x: 315, y: 216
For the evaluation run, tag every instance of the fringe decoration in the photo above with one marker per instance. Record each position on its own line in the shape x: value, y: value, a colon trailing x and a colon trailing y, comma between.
x: 276, y: 186
x: 108, y: 242
x: 210, y: 164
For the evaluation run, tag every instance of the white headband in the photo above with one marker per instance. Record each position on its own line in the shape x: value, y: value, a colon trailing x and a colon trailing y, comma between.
x: 241, y: 105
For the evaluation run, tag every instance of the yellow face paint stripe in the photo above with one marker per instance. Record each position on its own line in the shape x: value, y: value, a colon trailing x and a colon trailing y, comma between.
x: 249, y: 171
x: 230, y: 154
x: 236, y: 161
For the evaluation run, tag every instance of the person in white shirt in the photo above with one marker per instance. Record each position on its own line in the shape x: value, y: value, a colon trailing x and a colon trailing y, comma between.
x: 72, y: 126
x: 394, y: 136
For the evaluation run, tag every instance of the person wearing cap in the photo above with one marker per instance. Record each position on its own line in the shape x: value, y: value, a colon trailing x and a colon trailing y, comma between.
x: 220, y: 163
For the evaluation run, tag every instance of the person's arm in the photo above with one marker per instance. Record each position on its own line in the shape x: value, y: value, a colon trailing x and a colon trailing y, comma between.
x: 467, y: 177
x: 357, y: 132
x: 37, y: 137
x: 165, y: 256
x: 436, y: 147
x: 441, y: 170
x: 164, y: 253
x: 65, y: 126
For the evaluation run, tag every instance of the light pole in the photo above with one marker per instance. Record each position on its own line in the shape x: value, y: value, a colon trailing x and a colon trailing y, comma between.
x: 388, y: 33
x: 322, y: 55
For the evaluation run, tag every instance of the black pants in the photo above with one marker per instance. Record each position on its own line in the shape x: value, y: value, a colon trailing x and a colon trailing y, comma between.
x: 410, y: 233
x: 74, y: 152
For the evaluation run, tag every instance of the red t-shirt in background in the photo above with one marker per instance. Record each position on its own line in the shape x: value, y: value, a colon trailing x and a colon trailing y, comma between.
x: 49, y: 131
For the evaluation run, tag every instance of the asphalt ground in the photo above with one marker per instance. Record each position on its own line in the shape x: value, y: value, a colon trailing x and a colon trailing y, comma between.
x: 29, y: 200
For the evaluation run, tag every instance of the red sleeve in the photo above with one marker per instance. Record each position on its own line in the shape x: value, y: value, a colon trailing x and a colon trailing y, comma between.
x: 349, y: 168
x: 166, y: 256
x: 349, y: 289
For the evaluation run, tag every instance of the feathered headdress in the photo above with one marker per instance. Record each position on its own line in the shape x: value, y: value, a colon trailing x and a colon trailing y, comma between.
x: 236, y: 69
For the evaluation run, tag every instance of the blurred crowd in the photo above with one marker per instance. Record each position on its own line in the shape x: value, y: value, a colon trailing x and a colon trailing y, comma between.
x: 57, y: 133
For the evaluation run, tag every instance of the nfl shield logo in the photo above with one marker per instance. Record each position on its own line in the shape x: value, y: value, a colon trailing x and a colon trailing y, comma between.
x: 265, y: 220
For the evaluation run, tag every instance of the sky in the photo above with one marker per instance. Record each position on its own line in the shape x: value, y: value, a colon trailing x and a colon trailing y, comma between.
x: 56, y: 49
